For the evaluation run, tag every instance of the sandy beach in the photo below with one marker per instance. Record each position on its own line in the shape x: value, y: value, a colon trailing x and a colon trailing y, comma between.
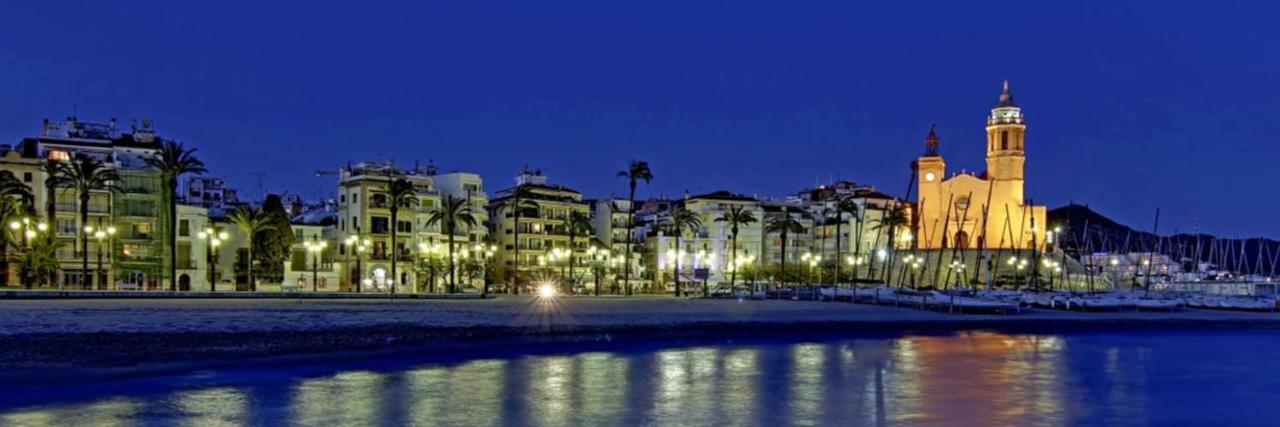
x: 66, y: 338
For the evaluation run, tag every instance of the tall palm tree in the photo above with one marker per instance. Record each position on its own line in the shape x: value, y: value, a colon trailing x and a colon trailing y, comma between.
x: 844, y: 205
x: 784, y: 225
x: 679, y: 221
x: 889, y: 223
x: 400, y: 194
x: 454, y: 212
x: 15, y: 199
x: 55, y: 172
x: 578, y: 223
x: 174, y: 160
x: 251, y: 221
x: 10, y: 212
x: 637, y: 171
x: 520, y: 196
x: 86, y: 174
x: 736, y: 217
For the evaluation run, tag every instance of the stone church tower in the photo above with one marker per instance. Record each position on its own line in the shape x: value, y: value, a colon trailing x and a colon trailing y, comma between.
x: 989, y: 210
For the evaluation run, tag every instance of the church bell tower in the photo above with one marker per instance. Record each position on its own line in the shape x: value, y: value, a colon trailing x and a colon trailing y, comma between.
x: 1006, y: 136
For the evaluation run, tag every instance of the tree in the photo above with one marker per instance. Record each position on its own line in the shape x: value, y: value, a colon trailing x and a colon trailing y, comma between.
x: 86, y: 174
x: 174, y: 160
x: 14, y: 197
x: 55, y: 178
x: 637, y: 171
x: 889, y: 222
x: 679, y: 220
x: 251, y: 222
x: 784, y: 225
x: 40, y: 261
x: 578, y: 222
x: 274, y: 246
x: 454, y: 212
x: 735, y: 218
x: 401, y: 194
x: 519, y: 202
x: 844, y: 205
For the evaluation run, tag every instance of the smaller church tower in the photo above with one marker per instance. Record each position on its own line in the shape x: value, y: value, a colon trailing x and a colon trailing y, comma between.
x: 931, y: 167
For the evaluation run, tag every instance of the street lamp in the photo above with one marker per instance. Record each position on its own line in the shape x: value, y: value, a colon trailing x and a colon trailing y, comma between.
x: 213, y: 238
x: 316, y: 247
x: 347, y: 244
x: 483, y: 253
x: 29, y: 231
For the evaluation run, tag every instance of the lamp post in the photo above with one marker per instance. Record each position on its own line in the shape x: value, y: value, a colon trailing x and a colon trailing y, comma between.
x: 347, y: 246
x: 483, y: 253
x: 213, y: 238
x: 29, y: 230
x: 316, y: 247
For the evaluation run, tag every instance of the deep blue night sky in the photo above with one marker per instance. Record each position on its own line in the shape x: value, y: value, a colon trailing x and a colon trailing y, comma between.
x: 1131, y: 106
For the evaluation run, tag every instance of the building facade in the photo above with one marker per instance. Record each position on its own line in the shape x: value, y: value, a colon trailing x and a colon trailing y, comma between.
x: 987, y: 210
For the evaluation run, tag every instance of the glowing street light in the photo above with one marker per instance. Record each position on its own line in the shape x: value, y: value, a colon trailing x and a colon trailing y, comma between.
x: 316, y: 247
x: 213, y: 238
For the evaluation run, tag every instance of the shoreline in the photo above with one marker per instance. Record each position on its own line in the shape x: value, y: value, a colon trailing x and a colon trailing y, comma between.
x: 77, y: 355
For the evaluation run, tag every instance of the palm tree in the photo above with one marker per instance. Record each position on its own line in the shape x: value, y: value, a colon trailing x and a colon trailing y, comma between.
x: 173, y: 160
x: 736, y: 217
x: 637, y: 171
x: 86, y: 174
x: 40, y: 260
x: 578, y: 223
x: 401, y: 194
x: 890, y: 221
x: 11, y: 186
x: 844, y: 205
x: 251, y: 221
x: 55, y: 172
x: 454, y: 212
x: 15, y: 199
x: 519, y: 201
x: 784, y: 225
x: 679, y: 220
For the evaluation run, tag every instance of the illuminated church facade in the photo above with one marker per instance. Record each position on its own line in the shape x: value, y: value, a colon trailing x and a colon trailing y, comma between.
x: 989, y: 210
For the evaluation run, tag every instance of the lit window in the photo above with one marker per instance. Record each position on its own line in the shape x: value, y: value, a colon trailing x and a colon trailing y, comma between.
x: 59, y: 155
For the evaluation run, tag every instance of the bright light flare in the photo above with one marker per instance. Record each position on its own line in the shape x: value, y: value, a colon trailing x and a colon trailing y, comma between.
x: 546, y: 291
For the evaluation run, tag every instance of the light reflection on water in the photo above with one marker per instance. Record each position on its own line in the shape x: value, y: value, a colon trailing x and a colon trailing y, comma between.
x: 977, y: 378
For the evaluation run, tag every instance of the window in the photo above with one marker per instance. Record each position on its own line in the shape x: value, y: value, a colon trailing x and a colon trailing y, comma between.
x: 342, y: 198
x: 355, y: 198
x: 65, y: 226
x: 404, y: 227
x: 59, y: 155
x: 379, y: 224
x: 1004, y: 140
x: 26, y: 177
x: 355, y: 223
x: 184, y: 228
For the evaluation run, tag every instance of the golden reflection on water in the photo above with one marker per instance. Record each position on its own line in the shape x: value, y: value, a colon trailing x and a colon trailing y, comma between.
x: 978, y: 377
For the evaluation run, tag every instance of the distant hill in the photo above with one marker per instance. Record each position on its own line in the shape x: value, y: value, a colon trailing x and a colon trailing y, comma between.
x: 1104, y: 235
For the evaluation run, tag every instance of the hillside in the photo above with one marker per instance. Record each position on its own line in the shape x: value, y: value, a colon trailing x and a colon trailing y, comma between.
x: 1105, y: 235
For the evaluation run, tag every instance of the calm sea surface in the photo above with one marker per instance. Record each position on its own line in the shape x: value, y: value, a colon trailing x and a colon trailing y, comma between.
x: 1196, y: 377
